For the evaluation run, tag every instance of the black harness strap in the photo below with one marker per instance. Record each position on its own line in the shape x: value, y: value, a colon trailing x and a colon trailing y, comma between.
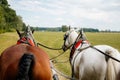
x: 107, y: 55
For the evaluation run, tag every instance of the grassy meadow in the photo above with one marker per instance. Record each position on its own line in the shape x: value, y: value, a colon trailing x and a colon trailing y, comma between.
x: 55, y: 40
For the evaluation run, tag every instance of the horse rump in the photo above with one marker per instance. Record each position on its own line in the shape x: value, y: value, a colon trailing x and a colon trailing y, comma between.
x: 25, y: 66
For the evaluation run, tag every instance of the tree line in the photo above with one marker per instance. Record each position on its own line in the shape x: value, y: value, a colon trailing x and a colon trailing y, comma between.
x: 63, y: 28
x: 9, y: 20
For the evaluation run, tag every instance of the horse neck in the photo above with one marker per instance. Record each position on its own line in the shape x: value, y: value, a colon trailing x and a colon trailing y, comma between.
x: 79, y: 44
x: 73, y: 37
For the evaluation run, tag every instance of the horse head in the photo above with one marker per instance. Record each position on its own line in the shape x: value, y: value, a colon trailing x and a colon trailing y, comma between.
x: 71, y: 36
x: 26, y: 36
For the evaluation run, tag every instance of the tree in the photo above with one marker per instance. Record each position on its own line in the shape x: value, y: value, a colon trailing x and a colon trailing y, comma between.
x: 19, y: 23
x: 9, y: 20
x: 90, y: 30
x: 64, y: 28
x: 3, y: 2
x: 2, y: 20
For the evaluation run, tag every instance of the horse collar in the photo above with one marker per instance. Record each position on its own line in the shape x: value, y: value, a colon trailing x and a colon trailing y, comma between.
x: 75, y: 46
x: 26, y: 40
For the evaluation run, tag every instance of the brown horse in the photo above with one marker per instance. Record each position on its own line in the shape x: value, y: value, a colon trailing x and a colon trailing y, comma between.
x: 24, y: 60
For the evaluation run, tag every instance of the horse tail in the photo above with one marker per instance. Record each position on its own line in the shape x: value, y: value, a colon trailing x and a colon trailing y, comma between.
x: 110, y: 74
x: 113, y: 67
x: 25, y: 66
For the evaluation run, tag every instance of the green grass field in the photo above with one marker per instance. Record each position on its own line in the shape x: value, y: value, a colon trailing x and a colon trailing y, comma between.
x: 55, y: 40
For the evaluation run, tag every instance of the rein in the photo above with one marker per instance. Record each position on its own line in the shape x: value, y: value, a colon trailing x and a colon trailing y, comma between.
x: 86, y: 48
x: 101, y: 52
x: 26, y: 40
x: 54, y: 49
x: 105, y: 54
x: 61, y: 53
x: 49, y: 47
x: 55, y: 61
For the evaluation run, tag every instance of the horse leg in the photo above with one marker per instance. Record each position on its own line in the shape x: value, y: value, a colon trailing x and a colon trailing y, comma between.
x: 55, y: 76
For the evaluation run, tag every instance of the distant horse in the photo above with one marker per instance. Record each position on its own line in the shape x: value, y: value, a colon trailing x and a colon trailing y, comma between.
x: 88, y: 63
x: 24, y: 60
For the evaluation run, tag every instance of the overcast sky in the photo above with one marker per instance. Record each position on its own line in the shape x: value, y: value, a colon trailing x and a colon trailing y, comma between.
x: 100, y: 14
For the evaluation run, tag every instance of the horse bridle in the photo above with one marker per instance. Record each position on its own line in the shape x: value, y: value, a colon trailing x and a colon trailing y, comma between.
x: 25, y: 40
x: 65, y: 37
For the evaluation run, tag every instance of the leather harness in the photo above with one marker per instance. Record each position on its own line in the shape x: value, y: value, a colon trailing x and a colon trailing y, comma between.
x: 25, y: 40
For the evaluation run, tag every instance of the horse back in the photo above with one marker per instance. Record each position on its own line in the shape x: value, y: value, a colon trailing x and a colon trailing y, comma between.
x: 10, y: 58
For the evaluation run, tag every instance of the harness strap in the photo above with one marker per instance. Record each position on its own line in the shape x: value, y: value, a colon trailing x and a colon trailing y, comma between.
x: 78, y: 43
x: 26, y: 41
x: 80, y: 49
x: 105, y: 54
x: 83, y: 48
x: 75, y: 46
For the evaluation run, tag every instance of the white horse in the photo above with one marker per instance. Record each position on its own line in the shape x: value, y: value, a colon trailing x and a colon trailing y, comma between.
x: 88, y: 63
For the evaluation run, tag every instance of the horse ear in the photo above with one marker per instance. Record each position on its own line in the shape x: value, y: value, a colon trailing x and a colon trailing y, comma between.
x: 69, y: 27
x: 81, y: 33
x: 83, y: 36
x: 18, y: 32
x: 33, y: 31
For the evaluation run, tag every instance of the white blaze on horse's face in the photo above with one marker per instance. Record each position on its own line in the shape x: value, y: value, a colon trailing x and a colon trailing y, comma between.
x: 69, y: 38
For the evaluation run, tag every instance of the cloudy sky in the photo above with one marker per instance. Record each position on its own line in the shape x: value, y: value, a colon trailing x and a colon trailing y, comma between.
x: 100, y: 14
